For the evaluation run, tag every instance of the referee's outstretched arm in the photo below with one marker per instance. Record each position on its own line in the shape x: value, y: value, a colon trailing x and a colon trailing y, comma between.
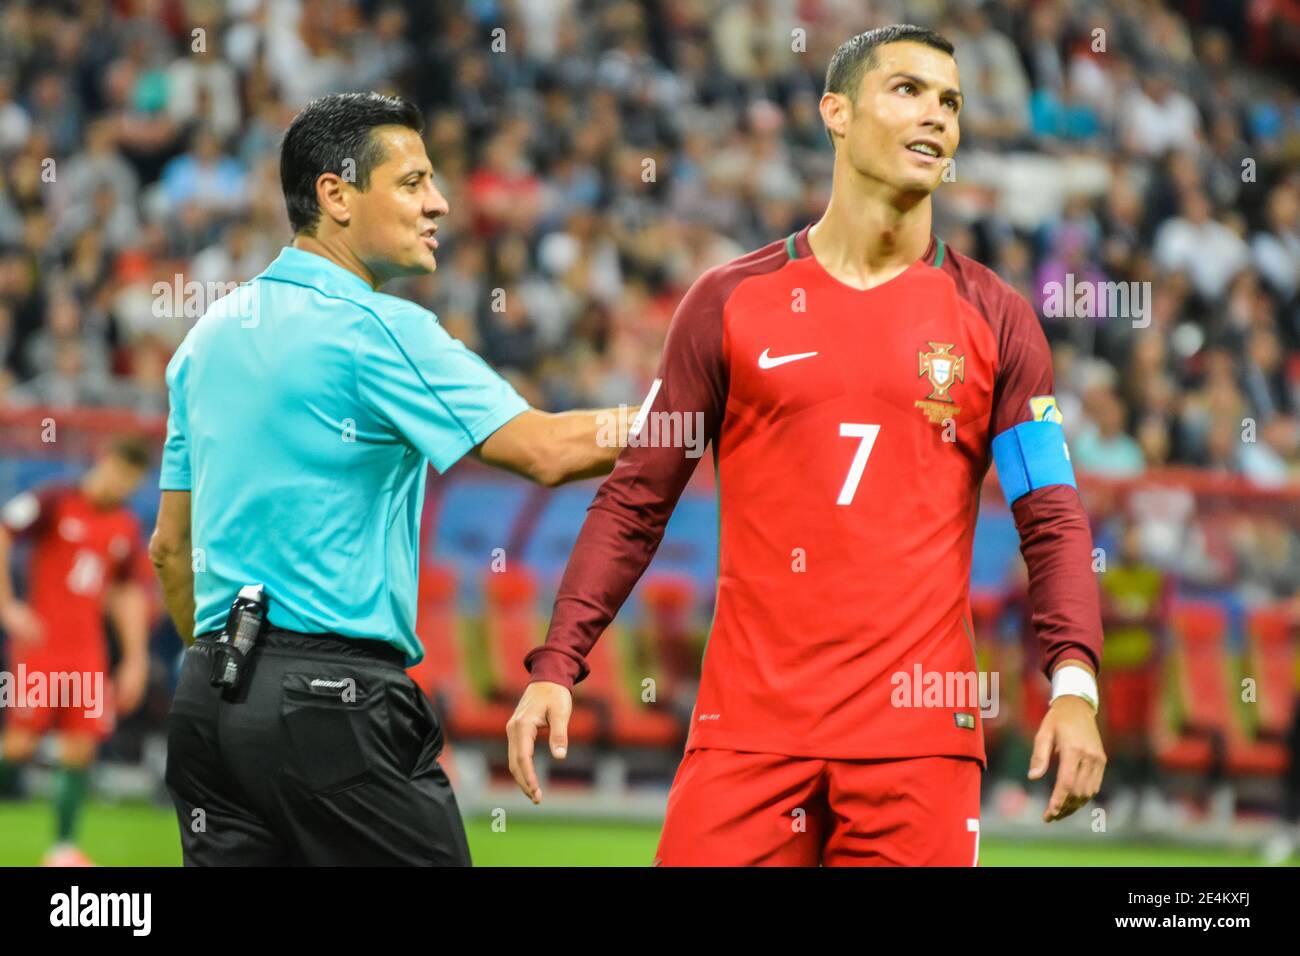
x: 545, y: 447
x: 552, y: 448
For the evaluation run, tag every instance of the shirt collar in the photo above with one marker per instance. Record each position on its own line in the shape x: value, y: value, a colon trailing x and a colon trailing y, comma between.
x: 307, y: 268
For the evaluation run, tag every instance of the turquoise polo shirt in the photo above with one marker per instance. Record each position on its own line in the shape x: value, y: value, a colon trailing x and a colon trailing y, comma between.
x: 304, y: 405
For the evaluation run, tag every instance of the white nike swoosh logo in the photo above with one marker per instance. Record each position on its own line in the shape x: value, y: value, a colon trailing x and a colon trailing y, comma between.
x: 767, y: 361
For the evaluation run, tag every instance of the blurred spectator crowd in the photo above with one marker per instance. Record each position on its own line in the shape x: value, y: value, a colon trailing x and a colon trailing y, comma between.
x: 598, y: 156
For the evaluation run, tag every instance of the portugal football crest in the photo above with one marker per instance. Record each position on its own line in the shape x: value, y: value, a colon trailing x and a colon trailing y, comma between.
x: 943, y: 369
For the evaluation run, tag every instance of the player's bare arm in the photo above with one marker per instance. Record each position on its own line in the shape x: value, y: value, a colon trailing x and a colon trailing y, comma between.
x: 552, y: 448
x: 169, y: 550
x: 128, y: 607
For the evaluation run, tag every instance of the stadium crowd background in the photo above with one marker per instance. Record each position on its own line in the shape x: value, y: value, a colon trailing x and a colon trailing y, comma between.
x: 598, y: 157
x: 164, y: 163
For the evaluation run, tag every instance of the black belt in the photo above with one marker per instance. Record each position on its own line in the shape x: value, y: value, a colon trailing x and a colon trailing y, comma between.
x: 297, y: 641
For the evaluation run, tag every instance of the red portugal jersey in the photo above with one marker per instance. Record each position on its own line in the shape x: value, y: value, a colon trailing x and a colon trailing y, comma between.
x: 77, y: 550
x: 851, y: 432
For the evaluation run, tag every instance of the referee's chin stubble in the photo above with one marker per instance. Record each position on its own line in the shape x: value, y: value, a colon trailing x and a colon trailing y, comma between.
x: 430, y: 259
x: 424, y: 257
x: 417, y: 259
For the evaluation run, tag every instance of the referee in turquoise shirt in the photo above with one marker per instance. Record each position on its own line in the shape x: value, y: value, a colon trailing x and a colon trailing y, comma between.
x: 304, y: 406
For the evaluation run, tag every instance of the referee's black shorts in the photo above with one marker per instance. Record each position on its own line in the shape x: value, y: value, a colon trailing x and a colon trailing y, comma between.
x: 328, y: 757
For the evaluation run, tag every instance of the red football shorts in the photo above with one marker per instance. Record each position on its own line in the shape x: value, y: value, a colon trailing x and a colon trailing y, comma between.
x: 729, y: 808
x: 86, y: 710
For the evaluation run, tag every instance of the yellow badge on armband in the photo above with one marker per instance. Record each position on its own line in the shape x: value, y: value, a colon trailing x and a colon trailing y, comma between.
x: 1044, y: 409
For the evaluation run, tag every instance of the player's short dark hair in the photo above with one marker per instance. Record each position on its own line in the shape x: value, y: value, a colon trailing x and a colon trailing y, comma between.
x: 857, y: 55
x: 329, y: 131
x: 132, y: 450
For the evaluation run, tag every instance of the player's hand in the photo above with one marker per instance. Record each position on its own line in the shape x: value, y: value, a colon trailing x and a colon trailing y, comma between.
x: 1070, y: 731
x: 21, y: 623
x: 129, y: 683
x: 544, y: 704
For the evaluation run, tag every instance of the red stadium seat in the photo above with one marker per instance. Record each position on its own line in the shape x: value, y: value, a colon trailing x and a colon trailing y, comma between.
x: 514, y: 627
x: 1201, y: 686
x: 631, y: 722
x: 668, y: 599
x: 1271, y: 662
x: 443, y: 674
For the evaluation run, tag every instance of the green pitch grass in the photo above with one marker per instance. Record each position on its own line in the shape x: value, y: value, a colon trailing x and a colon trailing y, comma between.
x: 145, y: 835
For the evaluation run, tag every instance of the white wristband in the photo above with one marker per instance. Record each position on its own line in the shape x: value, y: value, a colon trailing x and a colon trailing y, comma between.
x: 1077, y: 682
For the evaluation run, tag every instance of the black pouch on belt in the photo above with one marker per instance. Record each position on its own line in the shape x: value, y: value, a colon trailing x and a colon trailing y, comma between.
x: 244, y: 627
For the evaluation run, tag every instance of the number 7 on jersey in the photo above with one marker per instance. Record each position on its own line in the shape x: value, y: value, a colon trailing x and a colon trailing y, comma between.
x: 867, y: 435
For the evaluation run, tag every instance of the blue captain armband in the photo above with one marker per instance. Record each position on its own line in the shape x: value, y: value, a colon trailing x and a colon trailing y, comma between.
x: 1032, y: 455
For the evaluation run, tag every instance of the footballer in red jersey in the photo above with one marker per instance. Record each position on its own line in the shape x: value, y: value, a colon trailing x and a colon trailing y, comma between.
x: 87, y: 558
x: 855, y: 379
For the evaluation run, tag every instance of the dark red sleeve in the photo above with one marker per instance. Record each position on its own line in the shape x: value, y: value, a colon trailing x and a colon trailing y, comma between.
x: 626, y: 520
x: 29, y: 513
x: 1055, y: 536
x: 1056, y: 542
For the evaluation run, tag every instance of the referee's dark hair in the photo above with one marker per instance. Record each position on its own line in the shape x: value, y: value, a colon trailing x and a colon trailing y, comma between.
x: 329, y: 132
x: 857, y: 56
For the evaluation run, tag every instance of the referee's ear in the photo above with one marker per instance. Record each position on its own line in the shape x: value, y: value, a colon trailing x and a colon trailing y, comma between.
x: 332, y: 197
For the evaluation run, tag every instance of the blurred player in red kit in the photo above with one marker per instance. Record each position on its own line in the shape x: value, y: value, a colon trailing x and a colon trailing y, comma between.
x: 855, y: 379
x: 87, y: 558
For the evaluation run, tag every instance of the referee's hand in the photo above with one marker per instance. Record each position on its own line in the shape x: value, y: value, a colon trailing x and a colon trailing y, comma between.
x: 543, y: 704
